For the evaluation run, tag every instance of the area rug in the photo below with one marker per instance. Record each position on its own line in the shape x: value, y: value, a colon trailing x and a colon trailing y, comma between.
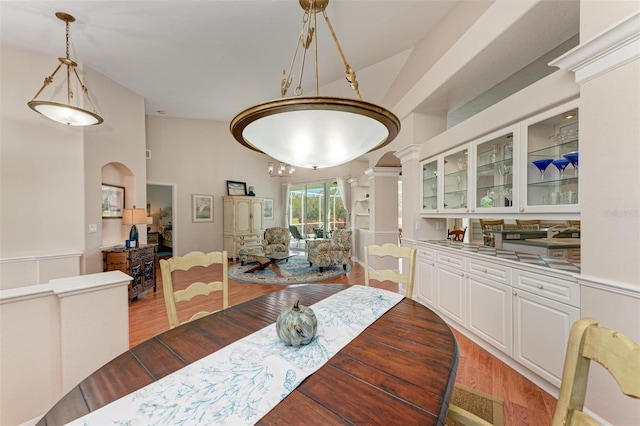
x: 295, y: 271
x: 482, y: 405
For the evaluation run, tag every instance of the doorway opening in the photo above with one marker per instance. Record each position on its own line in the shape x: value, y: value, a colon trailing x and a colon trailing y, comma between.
x: 161, y: 202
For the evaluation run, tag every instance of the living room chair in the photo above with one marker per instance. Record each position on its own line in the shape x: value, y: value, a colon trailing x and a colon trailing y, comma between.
x: 186, y: 263
x: 618, y: 354
x: 275, y: 240
x: 295, y: 234
x: 326, y: 253
x: 490, y: 225
x: 529, y: 224
x: 319, y: 232
x: 394, y: 251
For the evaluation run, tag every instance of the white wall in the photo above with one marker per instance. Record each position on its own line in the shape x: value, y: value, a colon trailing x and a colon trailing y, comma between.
x: 118, y: 146
x: 41, y: 166
x: 610, y: 198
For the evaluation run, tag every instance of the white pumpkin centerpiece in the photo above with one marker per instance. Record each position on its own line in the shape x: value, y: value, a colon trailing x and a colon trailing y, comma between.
x: 297, y: 325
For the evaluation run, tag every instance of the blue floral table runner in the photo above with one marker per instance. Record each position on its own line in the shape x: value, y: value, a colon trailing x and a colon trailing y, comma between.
x: 243, y: 381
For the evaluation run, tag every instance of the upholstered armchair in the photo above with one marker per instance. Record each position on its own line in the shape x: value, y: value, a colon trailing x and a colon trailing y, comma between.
x: 326, y: 253
x: 276, y: 240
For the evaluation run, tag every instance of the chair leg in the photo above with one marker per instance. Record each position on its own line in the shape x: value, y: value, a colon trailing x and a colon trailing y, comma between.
x: 344, y: 267
x: 320, y: 268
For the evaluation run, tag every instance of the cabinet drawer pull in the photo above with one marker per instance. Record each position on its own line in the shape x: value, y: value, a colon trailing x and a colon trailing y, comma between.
x: 462, y: 274
x: 540, y: 286
x: 515, y: 293
x: 484, y: 270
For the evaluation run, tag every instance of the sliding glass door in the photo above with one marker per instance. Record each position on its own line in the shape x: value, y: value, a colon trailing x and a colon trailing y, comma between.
x: 316, y: 209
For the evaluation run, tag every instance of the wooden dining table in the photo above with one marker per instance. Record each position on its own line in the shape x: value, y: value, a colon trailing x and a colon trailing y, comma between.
x: 400, y: 370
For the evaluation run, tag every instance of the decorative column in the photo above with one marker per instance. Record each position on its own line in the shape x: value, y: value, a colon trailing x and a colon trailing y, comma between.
x: 409, y: 158
x: 383, y: 190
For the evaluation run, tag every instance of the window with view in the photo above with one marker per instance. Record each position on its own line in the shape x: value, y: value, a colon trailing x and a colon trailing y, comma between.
x: 316, y: 209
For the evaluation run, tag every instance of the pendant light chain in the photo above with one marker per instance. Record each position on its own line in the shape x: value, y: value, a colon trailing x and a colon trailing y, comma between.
x: 69, y: 91
x: 350, y: 74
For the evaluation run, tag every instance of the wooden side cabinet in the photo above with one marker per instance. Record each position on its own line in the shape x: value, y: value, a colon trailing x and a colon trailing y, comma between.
x: 139, y: 263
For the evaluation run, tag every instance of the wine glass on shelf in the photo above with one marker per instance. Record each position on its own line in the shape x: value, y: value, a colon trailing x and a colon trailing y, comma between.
x: 573, y: 159
x: 561, y: 165
x: 508, y: 194
x: 462, y: 162
x: 542, y: 165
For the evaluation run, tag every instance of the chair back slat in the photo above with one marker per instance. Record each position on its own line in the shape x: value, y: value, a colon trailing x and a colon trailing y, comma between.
x: 394, y: 251
x: 199, y: 288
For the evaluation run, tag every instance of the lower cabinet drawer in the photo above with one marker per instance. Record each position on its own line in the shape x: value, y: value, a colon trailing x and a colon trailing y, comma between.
x: 564, y: 291
x: 425, y: 254
x: 450, y: 260
x: 498, y: 273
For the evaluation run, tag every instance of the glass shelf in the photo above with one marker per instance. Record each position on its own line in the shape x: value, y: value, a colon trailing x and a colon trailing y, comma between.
x: 555, y: 150
x: 556, y: 182
x: 484, y: 189
x: 430, y: 202
x: 503, y: 167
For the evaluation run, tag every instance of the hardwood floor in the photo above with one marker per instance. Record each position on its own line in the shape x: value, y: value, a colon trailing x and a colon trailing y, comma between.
x: 524, y: 402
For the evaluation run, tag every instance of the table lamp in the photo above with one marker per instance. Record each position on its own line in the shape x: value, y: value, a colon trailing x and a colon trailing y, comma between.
x: 132, y: 217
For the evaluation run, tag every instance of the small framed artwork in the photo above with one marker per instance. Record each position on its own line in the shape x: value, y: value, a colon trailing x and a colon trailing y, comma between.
x: 112, y: 201
x: 268, y: 208
x: 236, y: 188
x: 202, y: 207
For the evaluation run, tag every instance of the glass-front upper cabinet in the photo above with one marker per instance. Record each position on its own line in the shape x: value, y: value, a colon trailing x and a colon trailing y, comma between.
x: 430, y: 186
x: 550, y: 173
x: 455, y: 168
x: 496, y: 179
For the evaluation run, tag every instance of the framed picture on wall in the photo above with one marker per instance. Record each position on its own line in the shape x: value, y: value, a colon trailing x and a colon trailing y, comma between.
x: 236, y: 188
x: 268, y: 208
x: 112, y: 201
x: 202, y: 207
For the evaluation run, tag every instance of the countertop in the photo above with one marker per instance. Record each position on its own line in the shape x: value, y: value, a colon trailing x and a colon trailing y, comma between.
x: 565, y: 265
x: 551, y: 243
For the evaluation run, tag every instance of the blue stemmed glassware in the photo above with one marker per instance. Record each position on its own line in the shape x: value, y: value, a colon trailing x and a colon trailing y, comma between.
x: 573, y: 159
x: 542, y: 166
x: 561, y: 165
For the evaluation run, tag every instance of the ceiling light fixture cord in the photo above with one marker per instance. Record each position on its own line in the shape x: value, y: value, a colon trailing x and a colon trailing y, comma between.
x: 349, y: 72
x: 307, y: 35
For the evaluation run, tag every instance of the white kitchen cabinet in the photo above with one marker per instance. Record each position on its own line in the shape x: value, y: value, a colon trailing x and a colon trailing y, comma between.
x: 523, y: 311
x: 490, y: 313
x: 550, y: 138
x: 243, y: 223
x: 541, y: 329
x: 456, y: 180
x: 425, y: 276
x: 495, y: 175
x: 451, y: 292
x: 429, y: 186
